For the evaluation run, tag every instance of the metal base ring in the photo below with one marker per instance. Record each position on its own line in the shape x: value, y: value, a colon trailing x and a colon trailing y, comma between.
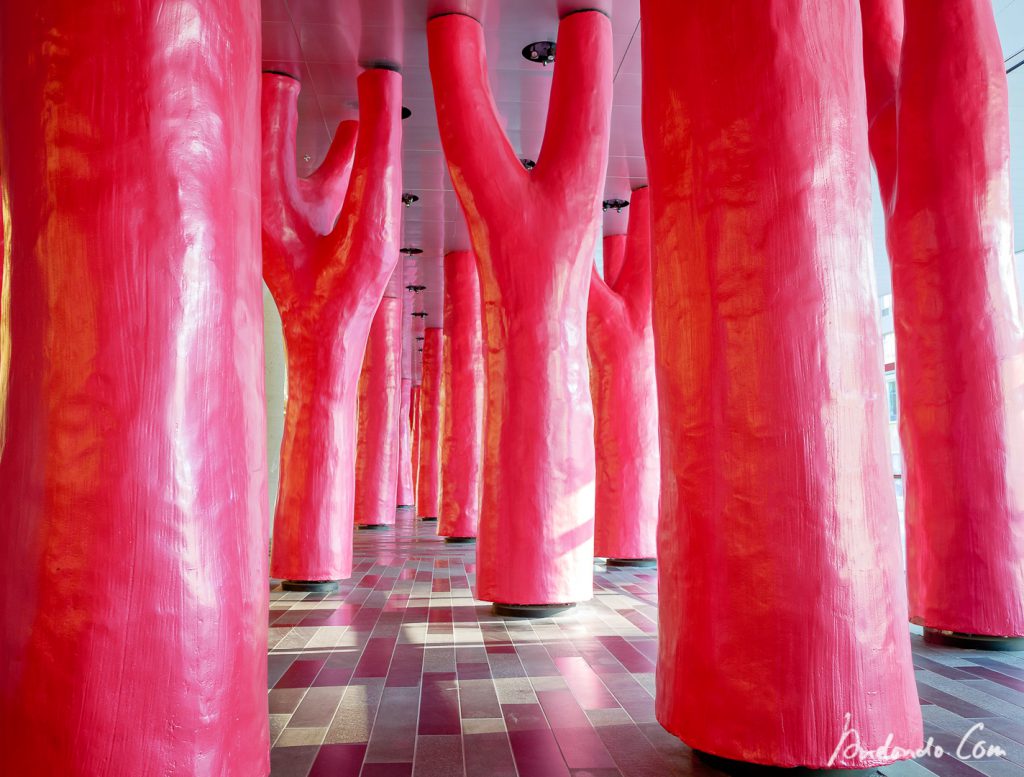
x: 974, y: 641
x: 641, y: 563
x: 310, y: 586
x: 530, y: 610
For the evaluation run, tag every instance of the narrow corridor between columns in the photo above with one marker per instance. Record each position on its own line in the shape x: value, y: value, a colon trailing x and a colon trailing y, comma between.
x: 401, y: 673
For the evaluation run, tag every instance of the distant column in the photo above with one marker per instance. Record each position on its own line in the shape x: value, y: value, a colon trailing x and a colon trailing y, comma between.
x: 428, y: 496
x: 463, y: 393
x: 379, y: 399
x: 620, y: 338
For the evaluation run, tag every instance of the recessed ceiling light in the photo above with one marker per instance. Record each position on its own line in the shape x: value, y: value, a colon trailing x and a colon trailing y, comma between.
x: 415, y: 289
x: 617, y: 204
x: 543, y: 51
x: 408, y: 199
x: 409, y: 251
x: 420, y: 314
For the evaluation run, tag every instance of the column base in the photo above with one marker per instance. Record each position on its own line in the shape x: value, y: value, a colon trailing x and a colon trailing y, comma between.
x: 428, y: 517
x: 742, y: 768
x: 643, y: 563
x: 973, y: 641
x: 310, y: 586
x: 373, y: 526
x: 530, y: 610
x: 455, y: 540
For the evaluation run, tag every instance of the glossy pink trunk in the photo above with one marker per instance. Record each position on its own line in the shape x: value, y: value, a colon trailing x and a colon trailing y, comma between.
x: 327, y: 278
x: 620, y: 337
x: 428, y: 495
x: 406, y: 475
x: 406, y: 483
x: 463, y: 393
x: 958, y: 323
x: 414, y: 409
x: 132, y: 440
x: 533, y: 234
x: 782, y: 602
x: 379, y: 400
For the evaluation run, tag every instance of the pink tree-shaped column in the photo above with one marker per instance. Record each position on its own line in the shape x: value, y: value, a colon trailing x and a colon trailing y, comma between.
x: 414, y: 410
x: 428, y: 496
x: 327, y: 279
x: 957, y: 314
x: 132, y: 435
x: 463, y: 393
x: 533, y: 234
x: 406, y: 479
x: 379, y: 387
x: 620, y: 337
x: 782, y: 601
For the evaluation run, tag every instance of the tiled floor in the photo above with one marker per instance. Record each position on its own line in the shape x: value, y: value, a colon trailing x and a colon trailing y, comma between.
x: 403, y: 673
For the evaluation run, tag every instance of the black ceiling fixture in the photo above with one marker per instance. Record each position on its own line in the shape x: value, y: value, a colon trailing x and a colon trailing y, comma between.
x: 408, y: 199
x: 415, y: 289
x: 542, y: 51
x: 529, y: 164
x: 617, y: 204
x: 421, y: 314
x: 410, y: 251
x: 406, y: 113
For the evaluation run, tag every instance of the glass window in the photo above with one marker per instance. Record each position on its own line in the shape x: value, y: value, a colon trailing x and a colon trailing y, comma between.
x: 890, y: 393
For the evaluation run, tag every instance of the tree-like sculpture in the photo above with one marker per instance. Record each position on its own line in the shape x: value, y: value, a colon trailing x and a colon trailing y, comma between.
x: 327, y: 279
x: 414, y: 422
x: 959, y: 337
x: 132, y: 417
x: 378, y: 436
x: 620, y: 337
x: 463, y: 396
x: 406, y: 479
x: 782, y: 615
x: 533, y: 233
x: 428, y: 483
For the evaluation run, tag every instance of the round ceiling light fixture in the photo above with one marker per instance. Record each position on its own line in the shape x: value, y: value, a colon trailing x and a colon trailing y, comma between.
x: 408, y: 199
x: 543, y: 51
x: 618, y: 205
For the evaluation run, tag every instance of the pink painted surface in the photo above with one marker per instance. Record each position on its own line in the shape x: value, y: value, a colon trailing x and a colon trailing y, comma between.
x: 132, y: 441
x: 406, y: 495
x: 620, y: 338
x: 428, y: 494
x: 378, y: 421
x: 533, y: 234
x: 327, y: 278
x: 463, y: 398
x: 779, y: 549
x: 958, y: 324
